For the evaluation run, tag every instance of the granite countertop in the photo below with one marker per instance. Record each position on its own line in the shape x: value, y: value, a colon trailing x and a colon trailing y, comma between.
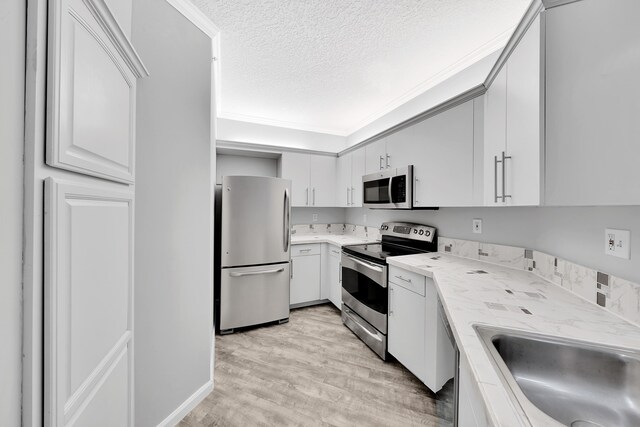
x: 334, y: 239
x: 471, y: 298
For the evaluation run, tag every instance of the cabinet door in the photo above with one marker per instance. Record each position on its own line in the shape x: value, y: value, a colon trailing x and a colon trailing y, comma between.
x: 471, y: 411
x: 358, y: 169
x: 88, y: 305
x: 406, y: 336
x: 305, y: 279
x: 443, y: 166
x: 343, y: 187
x: 334, y: 273
x: 523, y: 120
x: 375, y: 156
x: 92, y: 90
x: 322, y: 181
x: 400, y: 148
x: 592, y: 103
x: 495, y: 136
x: 295, y: 166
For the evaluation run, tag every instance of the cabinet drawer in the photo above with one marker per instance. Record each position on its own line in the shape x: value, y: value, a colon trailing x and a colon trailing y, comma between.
x: 309, y: 249
x: 408, y: 280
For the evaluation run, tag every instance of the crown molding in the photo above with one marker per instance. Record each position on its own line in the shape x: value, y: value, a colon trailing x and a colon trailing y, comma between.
x: 109, y: 24
x: 196, y: 16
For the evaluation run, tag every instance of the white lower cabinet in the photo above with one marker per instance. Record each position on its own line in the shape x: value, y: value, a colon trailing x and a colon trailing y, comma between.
x: 334, y: 275
x: 416, y: 335
x: 471, y: 411
x: 305, y: 274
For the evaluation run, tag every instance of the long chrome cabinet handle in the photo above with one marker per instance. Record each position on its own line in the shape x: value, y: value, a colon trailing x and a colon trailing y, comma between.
x: 348, y: 196
x: 388, y: 162
x: 381, y: 160
x: 495, y: 179
x: 314, y: 196
x: 255, y: 273
x: 415, y: 191
x: 291, y: 270
x: 307, y: 196
x: 403, y: 279
x: 353, y: 190
x: 504, y: 179
x: 340, y: 270
x: 390, y: 301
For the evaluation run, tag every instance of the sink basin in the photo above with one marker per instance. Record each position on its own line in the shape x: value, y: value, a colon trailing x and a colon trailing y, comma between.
x: 558, y: 381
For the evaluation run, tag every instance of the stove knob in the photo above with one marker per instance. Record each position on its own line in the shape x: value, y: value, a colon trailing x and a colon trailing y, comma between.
x: 415, y: 231
x: 421, y: 232
x: 427, y: 233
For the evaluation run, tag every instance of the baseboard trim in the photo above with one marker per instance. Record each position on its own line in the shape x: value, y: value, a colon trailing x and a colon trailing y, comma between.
x: 176, y: 416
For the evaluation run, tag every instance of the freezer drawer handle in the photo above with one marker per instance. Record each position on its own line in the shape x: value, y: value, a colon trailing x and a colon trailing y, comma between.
x: 254, y: 273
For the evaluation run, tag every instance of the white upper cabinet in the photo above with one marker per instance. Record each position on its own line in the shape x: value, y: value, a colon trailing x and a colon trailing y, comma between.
x: 351, y: 168
x: 295, y: 166
x: 358, y: 169
x: 513, y: 140
x: 92, y: 90
x: 313, y: 178
x: 592, y: 103
x: 376, y: 156
x: 401, y: 148
x: 343, y: 187
x: 322, y: 180
x: 442, y: 156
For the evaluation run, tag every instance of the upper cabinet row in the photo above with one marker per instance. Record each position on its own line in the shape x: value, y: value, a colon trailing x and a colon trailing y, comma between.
x: 557, y: 126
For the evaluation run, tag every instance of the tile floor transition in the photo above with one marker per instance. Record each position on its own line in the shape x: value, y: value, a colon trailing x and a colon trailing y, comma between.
x: 313, y: 371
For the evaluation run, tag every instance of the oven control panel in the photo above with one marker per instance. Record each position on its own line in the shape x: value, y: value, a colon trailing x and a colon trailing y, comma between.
x: 408, y: 230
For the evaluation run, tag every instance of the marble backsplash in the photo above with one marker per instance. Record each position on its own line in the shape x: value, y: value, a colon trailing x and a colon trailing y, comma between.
x: 615, y: 294
x: 341, y: 229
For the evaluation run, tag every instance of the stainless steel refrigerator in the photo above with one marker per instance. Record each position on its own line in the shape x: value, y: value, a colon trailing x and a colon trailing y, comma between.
x: 252, y: 251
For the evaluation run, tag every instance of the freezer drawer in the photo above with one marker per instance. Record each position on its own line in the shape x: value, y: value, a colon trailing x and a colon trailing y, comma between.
x: 253, y: 295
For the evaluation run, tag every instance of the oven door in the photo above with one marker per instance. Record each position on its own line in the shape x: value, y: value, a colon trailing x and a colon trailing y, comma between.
x: 390, y: 189
x: 364, y: 290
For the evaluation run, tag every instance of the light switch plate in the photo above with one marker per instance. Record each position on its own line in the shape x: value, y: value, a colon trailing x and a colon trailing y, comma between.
x: 477, y: 226
x: 617, y: 243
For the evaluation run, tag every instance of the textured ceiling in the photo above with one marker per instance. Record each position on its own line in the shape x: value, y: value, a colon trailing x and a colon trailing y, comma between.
x: 335, y: 65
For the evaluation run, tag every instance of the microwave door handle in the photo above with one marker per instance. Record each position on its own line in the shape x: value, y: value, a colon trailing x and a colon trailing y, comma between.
x: 390, y: 189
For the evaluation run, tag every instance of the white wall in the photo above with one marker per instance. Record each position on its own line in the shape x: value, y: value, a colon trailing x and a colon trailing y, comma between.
x: 325, y: 215
x: 173, y: 252
x: 237, y: 131
x: 227, y: 164
x: 573, y: 233
x: 12, y: 72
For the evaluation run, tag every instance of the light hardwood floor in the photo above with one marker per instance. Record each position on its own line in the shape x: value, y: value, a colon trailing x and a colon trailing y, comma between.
x: 313, y: 371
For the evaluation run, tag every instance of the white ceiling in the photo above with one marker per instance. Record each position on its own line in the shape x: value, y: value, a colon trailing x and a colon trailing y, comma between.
x: 334, y: 66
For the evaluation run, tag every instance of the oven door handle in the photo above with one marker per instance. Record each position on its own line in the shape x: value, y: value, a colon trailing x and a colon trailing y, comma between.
x: 367, y: 264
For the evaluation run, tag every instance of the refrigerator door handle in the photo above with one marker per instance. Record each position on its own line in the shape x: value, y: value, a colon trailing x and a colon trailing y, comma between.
x: 286, y: 225
x: 254, y: 273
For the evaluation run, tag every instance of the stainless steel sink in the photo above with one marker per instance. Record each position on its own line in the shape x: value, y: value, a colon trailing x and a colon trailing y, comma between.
x: 559, y: 381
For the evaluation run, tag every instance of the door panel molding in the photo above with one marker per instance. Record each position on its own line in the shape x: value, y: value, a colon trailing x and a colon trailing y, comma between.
x: 121, y: 42
x: 88, y: 297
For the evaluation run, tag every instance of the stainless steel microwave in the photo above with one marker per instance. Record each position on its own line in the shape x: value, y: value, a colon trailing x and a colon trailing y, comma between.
x: 388, y: 189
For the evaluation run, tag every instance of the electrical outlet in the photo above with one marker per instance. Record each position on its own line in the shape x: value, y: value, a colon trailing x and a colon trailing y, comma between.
x: 477, y: 226
x: 315, y: 217
x: 617, y: 243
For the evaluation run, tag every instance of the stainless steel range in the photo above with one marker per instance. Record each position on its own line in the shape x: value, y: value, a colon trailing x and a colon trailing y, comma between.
x: 364, y: 279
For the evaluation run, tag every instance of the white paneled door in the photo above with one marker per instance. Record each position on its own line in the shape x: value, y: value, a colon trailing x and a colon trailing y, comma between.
x: 88, y: 305
x: 92, y: 73
x: 91, y: 97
